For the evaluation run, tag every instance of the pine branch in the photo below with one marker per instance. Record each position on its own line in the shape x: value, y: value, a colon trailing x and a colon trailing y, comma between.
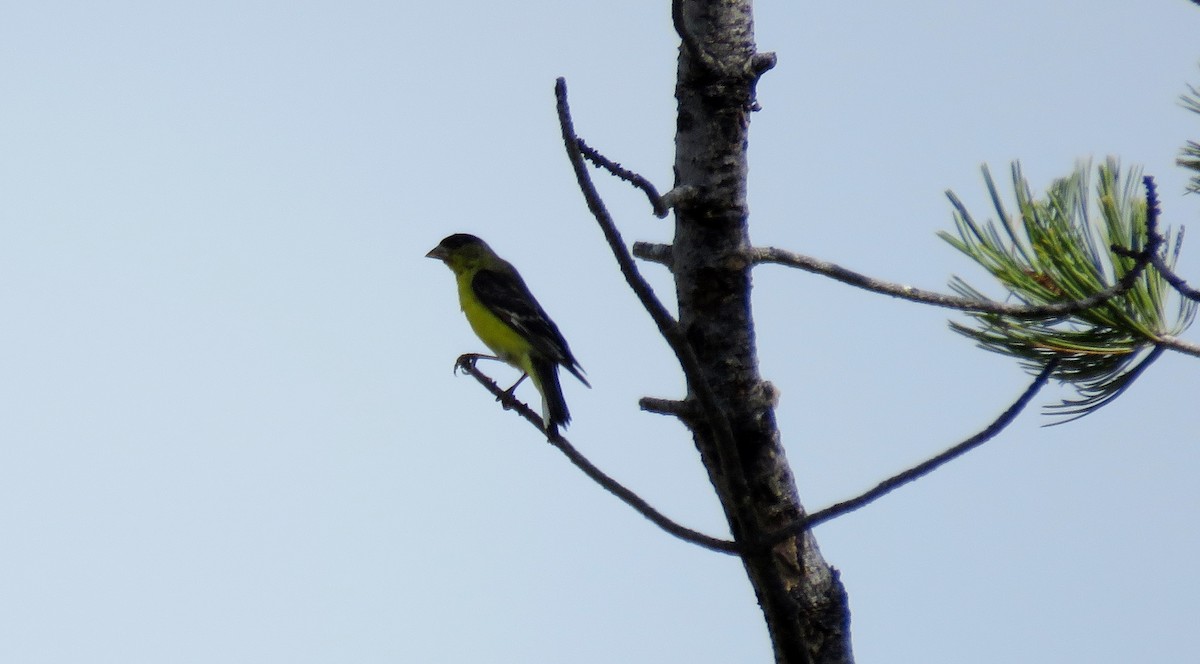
x: 1052, y: 252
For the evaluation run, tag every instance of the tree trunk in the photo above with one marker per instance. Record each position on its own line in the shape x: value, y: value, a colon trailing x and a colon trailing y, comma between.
x: 801, y: 596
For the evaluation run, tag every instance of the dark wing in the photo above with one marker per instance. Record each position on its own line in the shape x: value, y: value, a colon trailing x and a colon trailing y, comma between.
x: 506, y: 295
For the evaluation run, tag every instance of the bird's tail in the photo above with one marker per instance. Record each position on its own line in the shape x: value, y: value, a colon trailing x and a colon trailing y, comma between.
x: 554, y: 406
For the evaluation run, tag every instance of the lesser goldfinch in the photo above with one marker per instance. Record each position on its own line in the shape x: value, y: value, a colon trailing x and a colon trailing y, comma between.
x: 507, y: 318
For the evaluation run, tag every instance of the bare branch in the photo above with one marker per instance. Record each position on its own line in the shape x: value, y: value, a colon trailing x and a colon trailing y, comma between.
x: 594, y: 156
x: 1144, y: 256
x: 668, y: 327
x: 847, y: 276
x: 920, y: 470
x: 467, y: 364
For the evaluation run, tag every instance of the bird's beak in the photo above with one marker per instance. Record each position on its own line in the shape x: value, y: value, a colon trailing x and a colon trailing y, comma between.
x: 438, y: 252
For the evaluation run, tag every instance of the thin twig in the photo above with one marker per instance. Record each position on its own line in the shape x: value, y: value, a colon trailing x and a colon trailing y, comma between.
x: 467, y: 365
x: 594, y: 156
x: 920, y: 470
x: 668, y: 327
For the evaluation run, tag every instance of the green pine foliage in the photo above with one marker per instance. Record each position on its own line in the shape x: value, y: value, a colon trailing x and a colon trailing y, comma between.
x: 1059, y: 248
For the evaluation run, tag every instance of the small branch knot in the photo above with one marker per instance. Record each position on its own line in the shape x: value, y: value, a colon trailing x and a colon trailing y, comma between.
x: 769, y: 394
x: 654, y: 253
x: 685, y: 410
x: 680, y: 196
x: 762, y: 63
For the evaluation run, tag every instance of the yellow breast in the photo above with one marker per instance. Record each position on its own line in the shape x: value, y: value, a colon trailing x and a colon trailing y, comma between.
x: 505, y: 342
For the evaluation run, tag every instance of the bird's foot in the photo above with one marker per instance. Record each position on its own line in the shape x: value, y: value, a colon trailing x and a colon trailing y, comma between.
x: 468, y: 360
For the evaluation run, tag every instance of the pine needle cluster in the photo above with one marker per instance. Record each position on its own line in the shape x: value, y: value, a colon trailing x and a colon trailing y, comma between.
x: 1064, y: 247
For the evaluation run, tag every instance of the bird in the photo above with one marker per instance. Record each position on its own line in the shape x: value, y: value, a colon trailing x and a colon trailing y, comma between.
x: 509, y: 321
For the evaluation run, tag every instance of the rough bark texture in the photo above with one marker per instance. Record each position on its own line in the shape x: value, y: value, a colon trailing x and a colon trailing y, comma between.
x: 801, y: 596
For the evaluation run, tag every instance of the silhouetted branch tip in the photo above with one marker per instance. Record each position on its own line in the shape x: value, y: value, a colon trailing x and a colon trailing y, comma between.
x: 1175, y: 280
x: 1154, y: 242
x: 1154, y: 239
x: 1152, y: 208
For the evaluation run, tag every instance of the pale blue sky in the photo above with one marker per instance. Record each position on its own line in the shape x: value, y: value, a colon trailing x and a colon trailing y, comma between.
x: 229, y: 431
